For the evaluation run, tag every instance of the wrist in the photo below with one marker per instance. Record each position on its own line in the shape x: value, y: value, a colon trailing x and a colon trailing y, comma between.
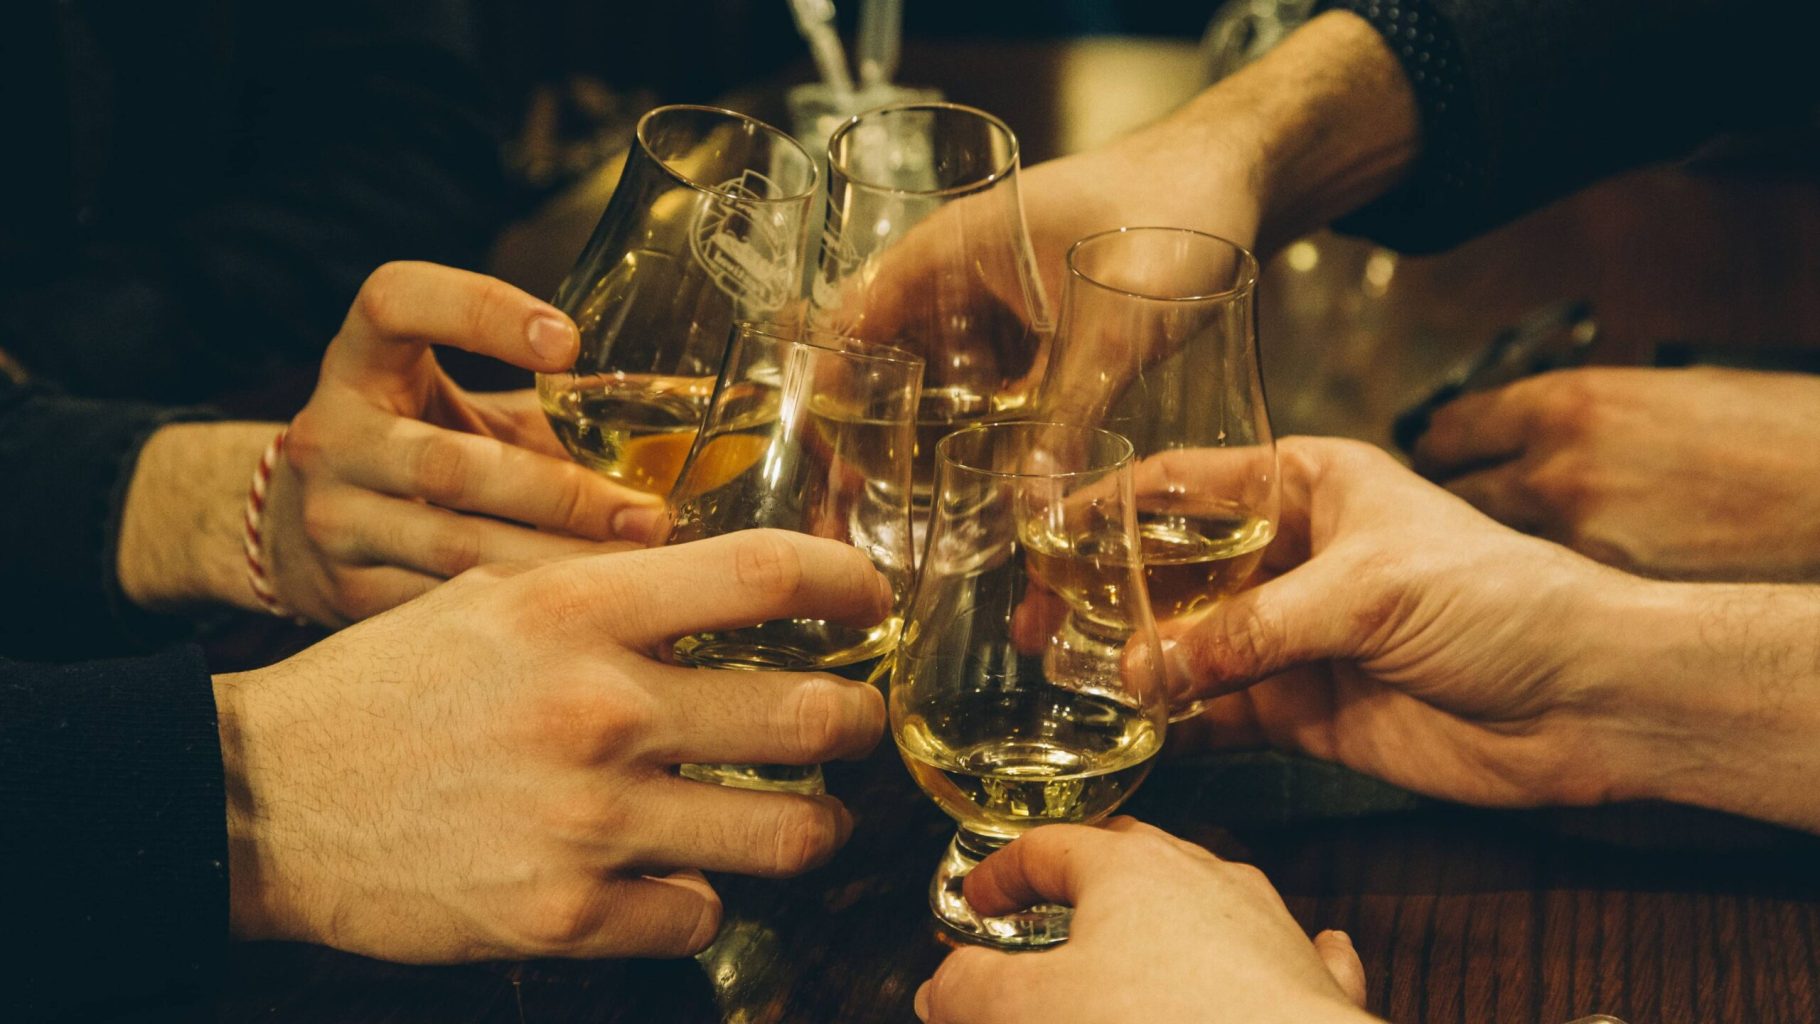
x: 180, y: 531
x: 260, y: 905
x: 1710, y: 696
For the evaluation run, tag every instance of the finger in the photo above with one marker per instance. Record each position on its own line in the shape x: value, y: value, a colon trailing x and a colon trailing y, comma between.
x: 1498, y: 492
x: 405, y: 307
x: 470, y: 473
x: 377, y: 530
x: 518, y: 418
x: 734, y: 717
x: 1052, y: 864
x: 725, y: 582
x: 982, y: 986
x: 1323, y: 609
x: 1343, y: 963
x: 682, y: 823
x: 353, y: 594
x: 1476, y: 428
x: 672, y: 915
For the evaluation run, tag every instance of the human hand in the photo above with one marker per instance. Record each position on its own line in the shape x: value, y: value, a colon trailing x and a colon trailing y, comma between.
x: 1697, y: 474
x: 1407, y: 636
x: 488, y: 771
x: 393, y: 478
x: 1163, y: 932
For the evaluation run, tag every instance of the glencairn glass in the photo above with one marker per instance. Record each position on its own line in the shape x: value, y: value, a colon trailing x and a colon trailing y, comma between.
x: 811, y: 432
x: 1158, y: 342
x: 1002, y: 717
x: 924, y: 247
x: 707, y: 227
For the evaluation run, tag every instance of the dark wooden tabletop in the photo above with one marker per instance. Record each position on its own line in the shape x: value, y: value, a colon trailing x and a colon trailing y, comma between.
x: 1656, y: 915
x: 1653, y: 914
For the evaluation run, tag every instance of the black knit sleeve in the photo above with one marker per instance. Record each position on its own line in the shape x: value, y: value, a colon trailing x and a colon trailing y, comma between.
x: 1524, y: 102
x: 67, y: 463
x: 114, y: 848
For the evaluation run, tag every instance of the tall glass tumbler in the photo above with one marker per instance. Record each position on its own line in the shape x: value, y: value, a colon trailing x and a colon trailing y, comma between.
x: 810, y: 433
x: 707, y: 227
x: 924, y: 247
x: 1158, y: 342
x: 1005, y: 719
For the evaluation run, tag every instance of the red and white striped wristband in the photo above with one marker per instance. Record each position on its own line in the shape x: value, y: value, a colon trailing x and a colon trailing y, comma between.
x: 255, y: 542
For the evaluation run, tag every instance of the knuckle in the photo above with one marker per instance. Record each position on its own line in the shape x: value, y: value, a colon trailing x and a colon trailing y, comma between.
x: 559, y: 918
x: 452, y: 550
x: 768, y: 564
x: 822, y: 718
x: 590, y: 726
x: 438, y: 469
x: 804, y: 834
x: 323, y: 522
x: 489, y: 307
x: 381, y: 297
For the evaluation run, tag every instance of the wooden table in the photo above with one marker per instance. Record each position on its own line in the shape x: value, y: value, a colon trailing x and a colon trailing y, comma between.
x: 1657, y: 915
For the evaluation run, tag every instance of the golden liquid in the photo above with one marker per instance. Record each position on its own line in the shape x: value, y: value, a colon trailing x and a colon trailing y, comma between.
x: 1000, y: 769
x: 637, y: 429
x: 824, y: 472
x: 1191, y: 562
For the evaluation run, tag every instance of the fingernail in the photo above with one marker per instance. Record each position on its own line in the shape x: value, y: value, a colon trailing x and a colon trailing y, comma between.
x: 553, y: 338
x: 641, y: 523
x: 1343, y: 936
x: 921, y: 1003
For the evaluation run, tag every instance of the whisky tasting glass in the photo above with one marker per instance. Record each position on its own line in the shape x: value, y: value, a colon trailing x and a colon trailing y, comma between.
x: 1002, y: 717
x: 924, y: 247
x: 811, y: 432
x: 707, y: 227
x: 1158, y: 342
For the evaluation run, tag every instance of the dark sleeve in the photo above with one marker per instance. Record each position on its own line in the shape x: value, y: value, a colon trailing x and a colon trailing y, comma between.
x: 224, y: 249
x: 1524, y: 102
x: 114, y: 847
x: 67, y: 463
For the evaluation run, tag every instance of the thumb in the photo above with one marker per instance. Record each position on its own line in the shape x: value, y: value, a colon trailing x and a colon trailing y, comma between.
x: 1342, y: 960
x: 1311, y: 613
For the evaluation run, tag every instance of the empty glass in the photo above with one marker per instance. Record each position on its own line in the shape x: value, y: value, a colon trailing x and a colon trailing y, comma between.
x: 707, y: 227
x: 811, y: 434
x: 924, y: 247
x: 1004, y: 719
x: 1158, y: 342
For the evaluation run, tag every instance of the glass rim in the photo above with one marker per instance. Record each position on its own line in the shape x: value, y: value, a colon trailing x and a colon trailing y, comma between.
x: 1126, y: 458
x: 1247, y: 277
x: 866, y: 351
x: 716, y: 190
x: 998, y: 174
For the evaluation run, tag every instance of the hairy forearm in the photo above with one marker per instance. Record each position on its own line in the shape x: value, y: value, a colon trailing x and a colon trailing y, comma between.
x: 1714, y: 695
x: 180, y: 532
x: 1326, y: 121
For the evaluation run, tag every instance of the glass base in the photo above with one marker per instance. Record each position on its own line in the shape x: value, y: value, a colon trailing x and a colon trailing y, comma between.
x: 1033, y: 928
x: 774, y: 778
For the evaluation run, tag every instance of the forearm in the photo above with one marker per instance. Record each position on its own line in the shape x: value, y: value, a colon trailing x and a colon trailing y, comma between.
x: 182, y: 527
x: 1712, y: 692
x: 1326, y: 122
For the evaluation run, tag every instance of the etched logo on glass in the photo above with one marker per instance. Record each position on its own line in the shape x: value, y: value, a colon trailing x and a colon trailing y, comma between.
x: 748, y: 250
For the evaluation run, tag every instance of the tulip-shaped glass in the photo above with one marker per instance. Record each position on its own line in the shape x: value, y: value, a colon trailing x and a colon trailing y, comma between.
x: 707, y: 227
x: 924, y: 247
x: 810, y: 432
x: 1158, y: 342
x: 1003, y: 718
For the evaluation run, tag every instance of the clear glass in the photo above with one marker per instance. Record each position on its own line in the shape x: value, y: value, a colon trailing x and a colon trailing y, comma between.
x: 1158, y: 342
x: 707, y: 228
x: 811, y: 432
x: 1002, y: 716
x: 924, y: 247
